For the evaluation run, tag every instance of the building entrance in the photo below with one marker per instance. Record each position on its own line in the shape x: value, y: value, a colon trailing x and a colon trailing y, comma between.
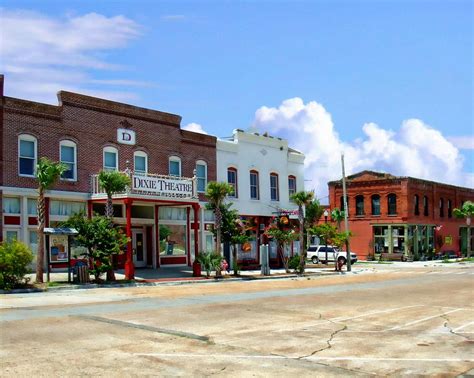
x: 139, y: 248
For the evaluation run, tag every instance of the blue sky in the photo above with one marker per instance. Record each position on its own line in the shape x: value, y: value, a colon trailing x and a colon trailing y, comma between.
x: 363, y: 70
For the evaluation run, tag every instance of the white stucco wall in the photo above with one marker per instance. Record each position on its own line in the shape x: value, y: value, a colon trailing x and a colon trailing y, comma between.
x: 266, y: 155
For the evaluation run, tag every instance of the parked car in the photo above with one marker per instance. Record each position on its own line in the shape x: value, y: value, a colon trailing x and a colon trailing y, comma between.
x: 317, y: 253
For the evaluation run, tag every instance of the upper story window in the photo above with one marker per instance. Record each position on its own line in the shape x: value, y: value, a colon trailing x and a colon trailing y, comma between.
x: 416, y: 203
x: 450, y: 209
x: 140, y: 163
x: 174, y: 166
x: 360, y: 205
x: 425, y: 206
x: 441, y: 207
x: 375, y: 204
x: 27, y: 152
x: 68, y: 156
x: 254, y: 189
x: 11, y: 205
x: 110, y: 159
x: 291, y: 185
x: 274, y: 192
x: 232, y: 181
x: 392, y: 204
x: 201, y: 175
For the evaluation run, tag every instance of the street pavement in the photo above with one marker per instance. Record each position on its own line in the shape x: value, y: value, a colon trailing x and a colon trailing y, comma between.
x: 380, y: 319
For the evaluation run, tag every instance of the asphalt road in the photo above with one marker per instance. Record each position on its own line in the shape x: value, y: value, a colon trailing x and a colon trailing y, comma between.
x: 381, y: 320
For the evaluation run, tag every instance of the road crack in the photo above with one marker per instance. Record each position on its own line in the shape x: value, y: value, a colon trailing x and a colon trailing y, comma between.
x: 445, y: 325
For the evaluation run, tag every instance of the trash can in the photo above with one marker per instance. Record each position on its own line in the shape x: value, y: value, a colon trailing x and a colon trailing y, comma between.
x: 81, y: 272
x: 196, y: 269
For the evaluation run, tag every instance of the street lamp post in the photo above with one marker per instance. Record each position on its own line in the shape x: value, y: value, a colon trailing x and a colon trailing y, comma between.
x: 468, y: 232
x: 326, y: 213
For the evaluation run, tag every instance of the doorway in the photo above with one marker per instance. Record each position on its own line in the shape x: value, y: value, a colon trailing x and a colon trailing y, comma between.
x: 139, y: 248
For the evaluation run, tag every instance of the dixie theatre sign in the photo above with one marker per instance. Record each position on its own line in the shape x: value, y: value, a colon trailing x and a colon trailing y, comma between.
x: 165, y: 187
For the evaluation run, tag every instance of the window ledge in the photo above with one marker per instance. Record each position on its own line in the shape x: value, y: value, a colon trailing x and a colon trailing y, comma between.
x: 392, y: 215
x: 29, y: 176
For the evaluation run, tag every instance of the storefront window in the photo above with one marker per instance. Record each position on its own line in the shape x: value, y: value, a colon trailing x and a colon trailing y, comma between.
x: 172, y: 213
x: 11, y: 205
x: 144, y: 212
x: 64, y: 208
x: 33, y: 235
x: 32, y: 206
x: 11, y: 235
x: 175, y: 243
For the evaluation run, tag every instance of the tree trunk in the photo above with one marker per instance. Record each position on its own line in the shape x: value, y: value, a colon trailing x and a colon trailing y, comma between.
x: 40, y: 253
x: 218, y: 229
x: 302, y: 246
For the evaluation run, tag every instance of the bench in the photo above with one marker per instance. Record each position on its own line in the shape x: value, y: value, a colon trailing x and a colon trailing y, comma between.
x: 384, y: 256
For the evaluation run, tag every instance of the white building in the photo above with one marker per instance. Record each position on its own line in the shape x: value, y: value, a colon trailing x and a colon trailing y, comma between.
x: 264, y: 172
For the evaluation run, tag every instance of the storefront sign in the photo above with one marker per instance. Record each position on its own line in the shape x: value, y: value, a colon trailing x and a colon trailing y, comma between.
x: 178, y: 188
x: 126, y: 136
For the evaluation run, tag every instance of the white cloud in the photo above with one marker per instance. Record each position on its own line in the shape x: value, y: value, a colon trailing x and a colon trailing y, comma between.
x: 463, y: 142
x: 416, y: 149
x: 41, y: 54
x: 195, y: 127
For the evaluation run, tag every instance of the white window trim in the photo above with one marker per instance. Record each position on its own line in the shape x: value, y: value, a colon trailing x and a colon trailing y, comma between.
x: 277, y: 176
x: 141, y: 154
x: 257, y: 184
x: 202, y: 162
x: 110, y: 149
x: 174, y: 158
x: 69, y: 143
x: 29, y: 138
x: 236, y: 172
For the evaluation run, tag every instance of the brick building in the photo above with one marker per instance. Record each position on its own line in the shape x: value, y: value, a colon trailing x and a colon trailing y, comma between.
x: 90, y: 134
x: 402, y: 215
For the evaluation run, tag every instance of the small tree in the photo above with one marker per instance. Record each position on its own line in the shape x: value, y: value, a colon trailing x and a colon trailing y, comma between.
x: 14, y: 260
x: 302, y: 199
x: 325, y: 231
x: 47, y: 174
x: 101, y: 240
x: 337, y: 216
x: 283, y: 237
x: 209, y: 261
x: 466, y: 212
x: 215, y: 194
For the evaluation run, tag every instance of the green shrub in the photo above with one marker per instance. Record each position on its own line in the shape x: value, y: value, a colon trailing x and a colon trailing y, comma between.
x: 294, y: 262
x: 14, y: 260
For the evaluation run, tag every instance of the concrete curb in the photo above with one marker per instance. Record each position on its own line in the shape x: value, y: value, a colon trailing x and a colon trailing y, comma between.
x: 177, y: 282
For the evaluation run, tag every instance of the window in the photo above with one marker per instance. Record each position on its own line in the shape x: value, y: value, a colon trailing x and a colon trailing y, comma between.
x: 174, y: 166
x: 27, y: 150
x: 441, y: 207
x: 67, y: 152
x: 375, y: 204
x: 110, y: 159
x: 291, y: 185
x: 32, y: 206
x: 274, y: 195
x: 11, y: 235
x: 201, y: 175
x: 232, y: 180
x: 33, y: 237
x: 392, y: 204
x: 66, y: 208
x: 359, y: 205
x: 416, y: 202
x: 11, y: 205
x: 425, y: 206
x: 254, y: 190
x: 450, y: 209
x: 140, y: 163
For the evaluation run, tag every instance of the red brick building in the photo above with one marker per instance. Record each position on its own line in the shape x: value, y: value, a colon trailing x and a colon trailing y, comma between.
x: 169, y: 168
x: 402, y: 215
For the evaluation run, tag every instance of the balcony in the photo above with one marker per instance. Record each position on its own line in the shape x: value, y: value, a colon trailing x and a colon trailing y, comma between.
x: 152, y: 185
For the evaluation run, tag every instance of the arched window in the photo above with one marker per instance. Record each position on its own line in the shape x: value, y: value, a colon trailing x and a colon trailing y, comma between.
x: 359, y: 205
x: 174, y: 166
x: 27, y: 155
x: 68, y: 156
x: 274, y: 190
x: 375, y: 204
x: 140, y: 163
x: 291, y: 185
x: 232, y: 181
x: 416, y: 204
x: 441, y: 207
x: 425, y: 206
x: 450, y: 209
x: 392, y: 204
x: 201, y: 175
x: 254, y: 185
x: 110, y: 159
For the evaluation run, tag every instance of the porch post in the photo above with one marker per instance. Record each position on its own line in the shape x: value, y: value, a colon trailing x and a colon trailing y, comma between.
x: 89, y: 209
x: 188, y: 239
x: 405, y: 237
x: 390, y: 239
x: 196, y: 229
x: 157, y: 235
x: 129, y: 267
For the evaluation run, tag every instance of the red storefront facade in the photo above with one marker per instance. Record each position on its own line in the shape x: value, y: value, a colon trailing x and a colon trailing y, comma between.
x: 402, y: 215
x: 90, y: 134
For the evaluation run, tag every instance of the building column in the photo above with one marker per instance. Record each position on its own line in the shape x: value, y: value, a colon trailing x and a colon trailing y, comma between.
x: 24, y: 220
x: 129, y: 267
x: 196, y: 229
x: 188, y: 231
x: 89, y: 209
x: 157, y: 237
x: 405, y: 237
x: 390, y: 239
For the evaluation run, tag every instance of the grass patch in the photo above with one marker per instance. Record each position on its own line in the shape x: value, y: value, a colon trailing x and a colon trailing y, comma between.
x: 57, y: 283
x: 465, y: 259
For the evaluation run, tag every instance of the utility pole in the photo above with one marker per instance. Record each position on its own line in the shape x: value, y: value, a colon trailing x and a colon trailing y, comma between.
x: 346, y: 222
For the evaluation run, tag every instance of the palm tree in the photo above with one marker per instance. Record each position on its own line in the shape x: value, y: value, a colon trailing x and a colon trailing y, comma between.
x: 466, y: 212
x: 215, y: 194
x: 338, y: 216
x: 47, y: 173
x: 112, y: 182
x: 302, y: 199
